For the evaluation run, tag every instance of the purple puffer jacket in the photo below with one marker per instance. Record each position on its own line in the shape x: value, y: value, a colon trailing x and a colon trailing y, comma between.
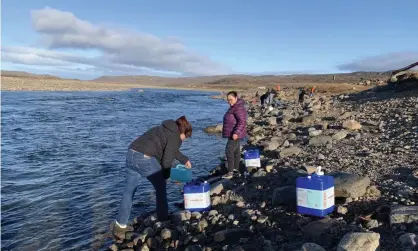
x: 235, y: 121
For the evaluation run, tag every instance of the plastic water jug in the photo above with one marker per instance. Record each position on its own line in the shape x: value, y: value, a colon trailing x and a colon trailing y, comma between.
x: 181, y: 173
x: 252, y: 158
x: 315, y: 194
x: 197, y: 196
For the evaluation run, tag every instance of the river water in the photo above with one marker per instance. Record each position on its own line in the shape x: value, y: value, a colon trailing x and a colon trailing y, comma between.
x: 63, y: 155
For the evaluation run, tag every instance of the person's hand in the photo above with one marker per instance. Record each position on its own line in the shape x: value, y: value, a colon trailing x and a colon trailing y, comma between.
x: 234, y: 136
x: 188, y: 164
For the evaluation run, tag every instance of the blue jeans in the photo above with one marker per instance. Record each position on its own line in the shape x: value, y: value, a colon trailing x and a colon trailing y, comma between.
x: 139, y: 165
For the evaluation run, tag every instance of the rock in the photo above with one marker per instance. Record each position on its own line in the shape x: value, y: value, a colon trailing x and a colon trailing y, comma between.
x: 273, y: 144
x: 144, y: 247
x: 403, y: 214
x: 182, y: 216
x: 318, y: 228
x: 262, y: 219
x: 194, y: 248
x: 214, y: 129
x: 408, y: 240
x: 321, y: 156
x: 372, y: 224
x: 196, y: 215
x: 351, y: 125
x: 272, y: 121
x: 202, y: 225
x: 311, y: 247
x: 342, y: 210
x: 340, y: 135
x: 165, y: 234
x: 113, y: 247
x: 307, y: 120
x: 373, y: 191
x: 359, y: 241
x: 284, y: 195
x: 315, y: 133
x: 320, y: 140
x: 232, y: 235
x: 240, y: 204
x: 219, y: 186
x: 291, y: 151
x: 346, y: 115
x: 349, y: 185
x: 259, y: 173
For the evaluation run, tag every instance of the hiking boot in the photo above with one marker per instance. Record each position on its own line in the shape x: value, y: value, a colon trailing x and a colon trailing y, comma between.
x: 119, y: 232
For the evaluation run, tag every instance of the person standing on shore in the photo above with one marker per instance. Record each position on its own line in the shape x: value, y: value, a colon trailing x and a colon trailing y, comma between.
x: 234, y: 129
x: 151, y: 156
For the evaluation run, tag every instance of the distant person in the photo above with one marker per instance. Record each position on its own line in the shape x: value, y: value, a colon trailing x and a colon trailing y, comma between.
x: 302, y: 93
x: 312, y: 91
x: 151, y: 156
x: 270, y: 97
x: 234, y: 129
x: 263, y: 98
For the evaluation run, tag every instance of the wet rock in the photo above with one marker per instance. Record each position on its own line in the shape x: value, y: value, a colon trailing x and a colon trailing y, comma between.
x: 259, y: 173
x: 339, y: 135
x: 408, y: 240
x: 359, y: 241
x: 262, y: 219
x: 349, y: 185
x: 144, y: 247
x: 214, y: 129
x: 232, y: 235
x: 291, y: 151
x: 351, y: 125
x: 403, y: 214
x: 320, y: 140
x: 311, y: 247
x: 165, y: 233
x: 202, y: 225
x: 113, y: 247
x: 284, y: 195
x: 194, y: 248
x: 196, y: 215
x: 181, y: 216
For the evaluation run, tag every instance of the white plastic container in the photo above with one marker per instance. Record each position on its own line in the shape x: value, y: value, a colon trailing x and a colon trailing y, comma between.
x: 197, y: 196
x: 252, y: 158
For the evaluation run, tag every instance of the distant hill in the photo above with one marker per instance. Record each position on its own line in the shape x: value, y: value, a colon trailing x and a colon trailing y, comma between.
x: 24, y: 74
x: 225, y: 80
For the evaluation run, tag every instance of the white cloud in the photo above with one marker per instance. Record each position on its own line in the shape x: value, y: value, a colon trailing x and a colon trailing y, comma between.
x: 384, y: 62
x: 121, y: 51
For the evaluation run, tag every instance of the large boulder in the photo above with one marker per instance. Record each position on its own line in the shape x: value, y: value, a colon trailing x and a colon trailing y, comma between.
x: 284, y: 195
x: 359, y: 241
x: 214, y: 129
x: 348, y: 185
x: 273, y: 143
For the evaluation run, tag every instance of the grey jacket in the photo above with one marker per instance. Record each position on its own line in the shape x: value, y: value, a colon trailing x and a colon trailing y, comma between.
x: 162, y: 142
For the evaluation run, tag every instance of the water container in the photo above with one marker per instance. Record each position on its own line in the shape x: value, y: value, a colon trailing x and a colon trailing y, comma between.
x: 315, y: 194
x: 181, y: 173
x: 197, y: 196
x: 252, y: 158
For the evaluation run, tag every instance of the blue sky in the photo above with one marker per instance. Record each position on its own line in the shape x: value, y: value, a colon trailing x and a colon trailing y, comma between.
x: 86, y: 39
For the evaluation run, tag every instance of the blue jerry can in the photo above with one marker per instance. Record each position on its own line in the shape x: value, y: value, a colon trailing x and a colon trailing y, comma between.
x: 197, y: 196
x: 181, y: 173
x: 315, y: 194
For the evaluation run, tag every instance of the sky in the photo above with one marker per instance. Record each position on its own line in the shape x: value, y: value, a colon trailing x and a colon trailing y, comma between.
x: 87, y: 39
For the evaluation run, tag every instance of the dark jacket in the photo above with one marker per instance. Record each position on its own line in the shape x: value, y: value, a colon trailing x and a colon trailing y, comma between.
x: 162, y: 142
x: 235, y: 121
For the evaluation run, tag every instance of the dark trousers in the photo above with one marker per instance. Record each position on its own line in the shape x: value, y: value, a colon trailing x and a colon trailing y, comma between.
x: 160, y: 185
x: 233, y: 154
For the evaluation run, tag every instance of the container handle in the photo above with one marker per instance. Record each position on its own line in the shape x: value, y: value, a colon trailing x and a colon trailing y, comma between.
x: 181, y: 166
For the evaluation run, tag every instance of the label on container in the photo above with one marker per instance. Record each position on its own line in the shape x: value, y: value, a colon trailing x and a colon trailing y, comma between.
x: 196, y: 200
x: 253, y: 162
x: 315, y: 199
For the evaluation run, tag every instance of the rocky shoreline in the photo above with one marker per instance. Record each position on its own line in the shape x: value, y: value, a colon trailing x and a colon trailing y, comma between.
x: 368, y: 141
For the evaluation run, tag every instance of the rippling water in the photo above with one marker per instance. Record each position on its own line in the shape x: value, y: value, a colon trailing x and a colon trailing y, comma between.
x: 63, y: 156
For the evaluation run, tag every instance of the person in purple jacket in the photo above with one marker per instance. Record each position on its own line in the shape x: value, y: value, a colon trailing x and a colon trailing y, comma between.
x: 235, y: 129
